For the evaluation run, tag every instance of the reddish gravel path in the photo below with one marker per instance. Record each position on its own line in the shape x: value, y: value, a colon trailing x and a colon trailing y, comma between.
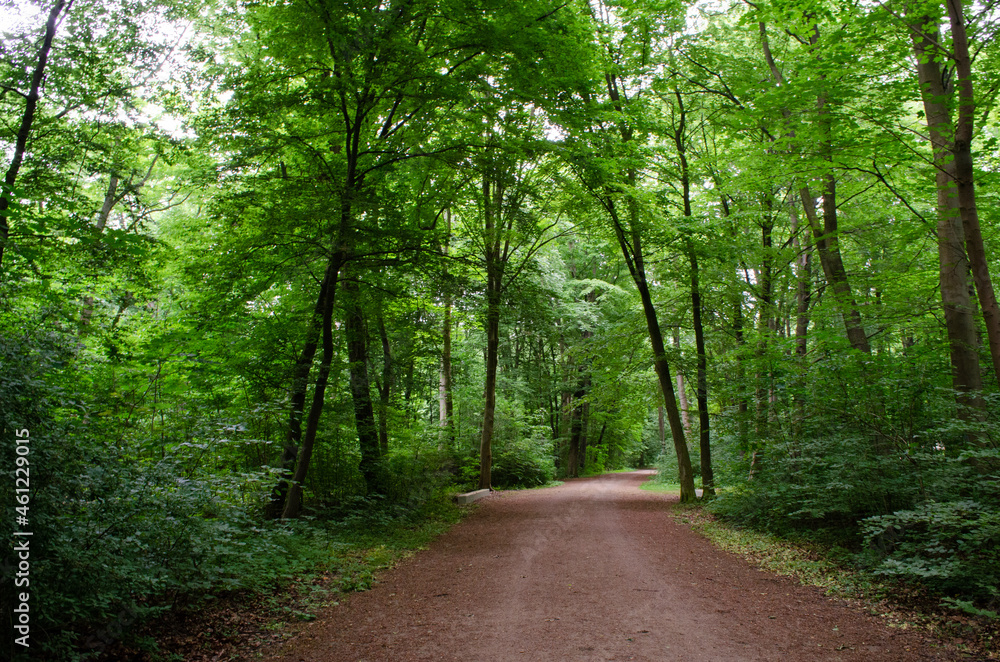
x: 595, y: 569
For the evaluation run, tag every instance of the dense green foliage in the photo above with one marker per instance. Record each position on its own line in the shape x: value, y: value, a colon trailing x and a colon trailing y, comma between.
x: 270, y: 269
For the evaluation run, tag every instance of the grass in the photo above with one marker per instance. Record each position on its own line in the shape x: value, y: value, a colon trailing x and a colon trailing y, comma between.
x: 654, y: 486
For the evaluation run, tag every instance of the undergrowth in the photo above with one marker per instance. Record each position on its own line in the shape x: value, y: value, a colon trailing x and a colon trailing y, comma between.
x: 333, y: 558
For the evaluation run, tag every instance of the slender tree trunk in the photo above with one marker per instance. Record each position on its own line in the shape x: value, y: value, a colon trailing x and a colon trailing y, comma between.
x: 299, y: 389
x: 701, y: 393
x: 442, y: 401
x: 576, y: 427
x: 836, y: 273
x: 632, y: 252
x: 408, y: 389
x: 578, y: 421
x: 446, y: 403
x: 765, y: 324
x: 803, y: 289
x: 293, y: 499
x: 663, y: 431
x: 684, y: 473
x: 492, y: 230
x: 110, y: 198
x: 833, y: 266
x: 565, y: 407
x: 953, y: 262
x: 704, y: 437
x: 742, y: 405
x: 489, y: 409
x: 682, y: 388
x: 27, y: 120
x: 585, y: 382
x: 803, y: 299
x: 630, y: 243
x: 825, y: 235
x: 449, y: 396
x: 965, y: 181
x: 384, y: 388
x: 364, y: 412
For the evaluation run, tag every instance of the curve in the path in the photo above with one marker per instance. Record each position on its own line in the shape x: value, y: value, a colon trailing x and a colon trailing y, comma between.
x: 594, y: 569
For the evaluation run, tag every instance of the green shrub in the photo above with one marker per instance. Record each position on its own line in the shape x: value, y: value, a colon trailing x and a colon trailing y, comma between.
x: 952, y: 546
x: 951, y: 541
x: 829, y: 481
x: 523, y: 463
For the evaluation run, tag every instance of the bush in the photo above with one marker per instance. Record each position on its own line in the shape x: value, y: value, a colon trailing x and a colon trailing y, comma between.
x: 525, y: 462
x: 830, y: 481
x: 950, y: 542
x: 118, y: 535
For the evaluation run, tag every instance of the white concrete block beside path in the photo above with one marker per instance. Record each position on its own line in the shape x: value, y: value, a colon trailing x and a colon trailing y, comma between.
x: 469, y: 497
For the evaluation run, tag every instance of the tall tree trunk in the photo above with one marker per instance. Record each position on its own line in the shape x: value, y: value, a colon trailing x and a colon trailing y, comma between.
x: 293, y: 499
x: 384, y: 388
x: 825, y: 235
x: 584, y: 385
x: 803, y: 289
x: 701, y: 394
x: 953, y: 263
x: 765, y: 323
x: 631, y: 246
x: 408, y: 389
x: 27, y: 120
x: 836, y: 273
x: 489, y: 407
x: 299, y: 389
x: 110, y: 198
x: 681, y: 388
x: 824, y: 238
x: 803, y: 299
x: 965, y: 182
x: 579, y: 419
x: 662, y: 428
x: 442, y: 401
x: 565, y: 407
x: 446, y: 401
x: 704, y: 436
x: 630, y: 243
x: 492, y: 231
x: 576, y: 428
x: 684, y: 473
x: 364, y: 412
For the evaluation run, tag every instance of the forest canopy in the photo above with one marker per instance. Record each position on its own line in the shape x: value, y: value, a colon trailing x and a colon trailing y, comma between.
x: 265, y: 264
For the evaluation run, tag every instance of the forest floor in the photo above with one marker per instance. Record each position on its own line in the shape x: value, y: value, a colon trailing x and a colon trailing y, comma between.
x: 594, y: 569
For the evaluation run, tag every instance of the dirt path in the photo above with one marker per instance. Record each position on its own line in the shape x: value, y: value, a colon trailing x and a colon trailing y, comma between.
x: 594, y: 569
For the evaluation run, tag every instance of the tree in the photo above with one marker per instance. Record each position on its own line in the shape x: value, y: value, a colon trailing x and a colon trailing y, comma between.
x: 511, y: 226
x: 612, y: 193
x: 27, y: 119
x: 680, y: 140
x: 954, y: 264
x: 959, y: 232
x: 377, y: 79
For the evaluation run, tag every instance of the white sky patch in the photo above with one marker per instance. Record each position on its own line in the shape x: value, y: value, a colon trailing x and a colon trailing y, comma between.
x: 699, y: 14
x: 17, y: 16
x: 21, y: 19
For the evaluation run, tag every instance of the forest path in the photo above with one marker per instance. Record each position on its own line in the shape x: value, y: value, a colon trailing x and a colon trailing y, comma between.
x: 594, y: 569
